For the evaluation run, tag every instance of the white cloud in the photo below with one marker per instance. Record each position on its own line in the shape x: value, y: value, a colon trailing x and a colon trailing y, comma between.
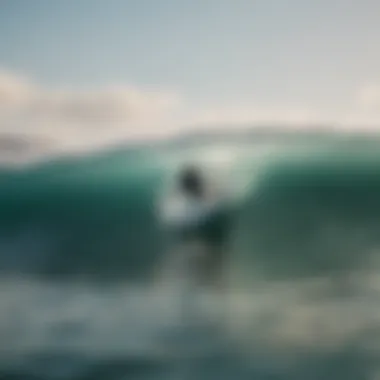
x: 368, y: 98
x: 72, y: 119
x: 14, y: 91
x: 242, y: 116
x: 36, y: 120
x: 361, y: 114
x: 364, y: 111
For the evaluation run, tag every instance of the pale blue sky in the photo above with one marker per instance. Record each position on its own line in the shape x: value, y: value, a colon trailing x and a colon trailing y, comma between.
x: 274, y: 52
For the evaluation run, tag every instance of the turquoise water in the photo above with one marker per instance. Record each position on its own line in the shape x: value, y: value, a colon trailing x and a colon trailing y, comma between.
x: 80, y: 248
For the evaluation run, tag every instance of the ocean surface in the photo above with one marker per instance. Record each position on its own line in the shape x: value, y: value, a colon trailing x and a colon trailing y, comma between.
x: 87, y: 291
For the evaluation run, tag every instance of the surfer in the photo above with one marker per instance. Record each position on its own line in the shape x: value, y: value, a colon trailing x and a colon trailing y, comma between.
x: 202, y: 223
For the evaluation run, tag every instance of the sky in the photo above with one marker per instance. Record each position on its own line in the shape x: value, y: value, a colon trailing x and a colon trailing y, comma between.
x: 81, y: 72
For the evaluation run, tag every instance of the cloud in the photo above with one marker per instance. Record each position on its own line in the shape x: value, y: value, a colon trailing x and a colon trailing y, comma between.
x: 361, y: 113
x: 368, y: 98
x: 248, y: 115
x: 67, y: 119
x: 37, y: 120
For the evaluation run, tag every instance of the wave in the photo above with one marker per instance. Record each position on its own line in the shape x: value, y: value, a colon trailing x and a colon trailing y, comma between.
x: 301, y: 210
x: 311, y: 216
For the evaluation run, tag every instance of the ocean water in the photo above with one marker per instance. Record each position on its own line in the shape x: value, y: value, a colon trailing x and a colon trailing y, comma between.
x: 87, y: 291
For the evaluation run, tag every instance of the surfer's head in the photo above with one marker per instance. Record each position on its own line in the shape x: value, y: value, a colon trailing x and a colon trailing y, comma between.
x: 190, y: 182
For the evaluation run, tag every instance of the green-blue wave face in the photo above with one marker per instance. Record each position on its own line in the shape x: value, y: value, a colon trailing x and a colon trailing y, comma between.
x: 301, y: 209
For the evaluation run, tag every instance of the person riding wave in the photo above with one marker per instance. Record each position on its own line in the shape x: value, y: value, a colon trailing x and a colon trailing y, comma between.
x: 203, y: 218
